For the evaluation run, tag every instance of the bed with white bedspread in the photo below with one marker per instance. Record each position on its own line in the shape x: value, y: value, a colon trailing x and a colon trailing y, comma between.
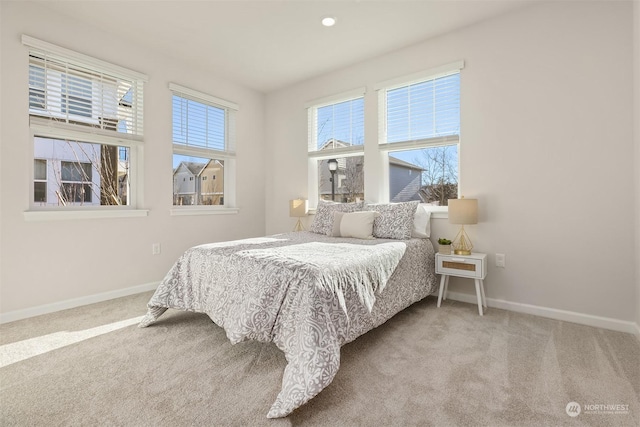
x: 306, y: 292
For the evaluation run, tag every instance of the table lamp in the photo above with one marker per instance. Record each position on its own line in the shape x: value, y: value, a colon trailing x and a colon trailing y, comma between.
x: 463, y: 211
x: 297, y: 209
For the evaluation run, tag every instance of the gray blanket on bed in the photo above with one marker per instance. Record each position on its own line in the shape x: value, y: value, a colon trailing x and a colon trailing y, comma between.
x: 309, y: 297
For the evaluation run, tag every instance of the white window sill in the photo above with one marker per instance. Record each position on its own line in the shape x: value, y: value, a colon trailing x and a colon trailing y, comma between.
x: 56, y: 215
x: 437, y: 212
x: 197, y: 210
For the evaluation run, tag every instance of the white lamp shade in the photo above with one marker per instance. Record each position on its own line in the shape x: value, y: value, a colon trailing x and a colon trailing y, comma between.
x: 298, y: 208
x: 463, y: 211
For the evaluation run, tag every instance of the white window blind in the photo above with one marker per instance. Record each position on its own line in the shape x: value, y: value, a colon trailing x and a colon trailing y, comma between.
x: 92, y: 96
x: 337, y: 126
x: 203, y: 122
x: 424, y: 110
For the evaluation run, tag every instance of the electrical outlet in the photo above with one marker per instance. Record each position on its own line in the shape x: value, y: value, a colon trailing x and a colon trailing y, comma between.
x: 500, y: 260
x: 155, y: 249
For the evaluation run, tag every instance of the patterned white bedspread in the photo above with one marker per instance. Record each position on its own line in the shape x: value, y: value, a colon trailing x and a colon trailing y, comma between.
x: 309, y: 294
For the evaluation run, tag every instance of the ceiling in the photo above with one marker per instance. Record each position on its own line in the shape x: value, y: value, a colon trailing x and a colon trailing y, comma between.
x: 267, y: 45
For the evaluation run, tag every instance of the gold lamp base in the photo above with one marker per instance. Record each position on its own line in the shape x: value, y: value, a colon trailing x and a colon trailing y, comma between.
x: 462, y: 244
x: 299, y: 226
x: 461, y: 252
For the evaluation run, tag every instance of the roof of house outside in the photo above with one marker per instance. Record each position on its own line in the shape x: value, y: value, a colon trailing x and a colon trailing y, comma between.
x: 334, y: 143
x: 402, y: 163
x: 193, y: 167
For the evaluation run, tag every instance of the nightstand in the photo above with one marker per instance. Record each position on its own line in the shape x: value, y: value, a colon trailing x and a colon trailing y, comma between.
x: 472, y: 266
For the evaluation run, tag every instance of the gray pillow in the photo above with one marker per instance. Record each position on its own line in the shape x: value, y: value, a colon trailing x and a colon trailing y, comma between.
x: 395, y: 220
x: 323, y: 220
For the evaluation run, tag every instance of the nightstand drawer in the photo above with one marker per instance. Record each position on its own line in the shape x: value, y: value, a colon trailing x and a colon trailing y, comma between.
x: 461, y: 266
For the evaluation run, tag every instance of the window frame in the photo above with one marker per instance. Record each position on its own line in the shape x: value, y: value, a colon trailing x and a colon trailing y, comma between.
x: 385, y: 148
x: 45, y: 124
x: 37, y: 180
x: 83, y: 183
x: 75, y: 211
x: 314, y: 156
x: 227, y: 155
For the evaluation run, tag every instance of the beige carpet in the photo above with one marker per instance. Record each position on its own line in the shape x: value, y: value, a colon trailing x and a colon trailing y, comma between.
x: 425, y: 367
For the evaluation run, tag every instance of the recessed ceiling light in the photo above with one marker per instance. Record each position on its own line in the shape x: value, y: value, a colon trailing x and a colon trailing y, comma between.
x: 328, y: 21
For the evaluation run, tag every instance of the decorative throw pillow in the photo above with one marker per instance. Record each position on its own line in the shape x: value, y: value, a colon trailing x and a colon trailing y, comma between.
x: 323, y: 220
x: 422, y: 222
x: 395, y: 220
x: 354, y: 224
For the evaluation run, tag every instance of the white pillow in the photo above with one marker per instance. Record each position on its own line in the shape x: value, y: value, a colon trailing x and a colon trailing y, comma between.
x: 422, y: 222
x: 354, y: 224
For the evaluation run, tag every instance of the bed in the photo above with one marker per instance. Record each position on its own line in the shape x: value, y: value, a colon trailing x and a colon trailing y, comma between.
x: 307, y: 292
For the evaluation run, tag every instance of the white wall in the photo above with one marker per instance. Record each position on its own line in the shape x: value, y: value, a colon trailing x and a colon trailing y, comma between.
x: 547, y: 148
x: 636, y: 114
x: 53, y: 261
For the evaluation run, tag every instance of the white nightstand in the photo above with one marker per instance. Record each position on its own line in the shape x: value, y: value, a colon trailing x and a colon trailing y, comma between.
x: 472, y: 266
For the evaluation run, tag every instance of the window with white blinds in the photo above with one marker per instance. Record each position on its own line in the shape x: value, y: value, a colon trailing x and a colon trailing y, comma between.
x: 198, y: 125
x: 337, y: 124
x: 74, y: 89
x: 203, y: 148
x: 419, y: 133
x: 336, y: 131
x: 203, y: 122
x: 424, y: 110
x: 83, y: 114
x: 421, y: 112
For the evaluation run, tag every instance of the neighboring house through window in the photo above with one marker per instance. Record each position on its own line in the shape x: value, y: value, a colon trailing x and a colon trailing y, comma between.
x: 203, y: 149
x: 86, y: 119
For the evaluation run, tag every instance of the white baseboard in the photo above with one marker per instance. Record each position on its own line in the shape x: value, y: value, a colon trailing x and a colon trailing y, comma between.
x: 12, y: 316
x: 552, y: 313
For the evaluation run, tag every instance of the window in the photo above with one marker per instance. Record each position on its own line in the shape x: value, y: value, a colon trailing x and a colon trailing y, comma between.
x: 79, y: 174
x: 339, y: 125
x: 123, y: 154
x: 203, y: 149
x: 76, y: 96
x: 336, y: 131
x: 86, y: 118
x: 427, y: 174
x: 419, y: 136
x: 40, y: 180
x: 76, y: 182
x: 347, y: 182
x: 36, y: 88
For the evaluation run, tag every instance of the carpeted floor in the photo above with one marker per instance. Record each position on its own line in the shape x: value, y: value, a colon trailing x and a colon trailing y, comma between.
x: 92, y: 366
